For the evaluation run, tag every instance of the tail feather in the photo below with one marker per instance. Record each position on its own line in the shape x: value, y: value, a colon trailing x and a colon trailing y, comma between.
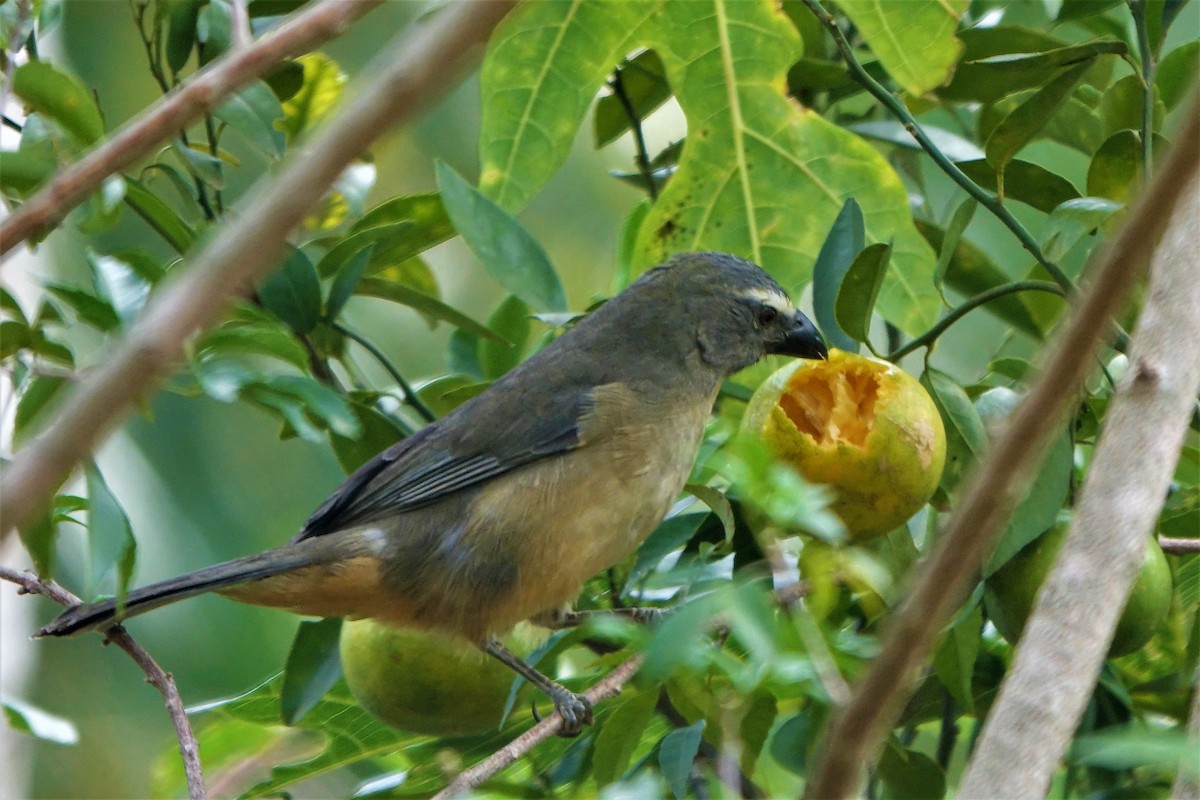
x: 105, y: 613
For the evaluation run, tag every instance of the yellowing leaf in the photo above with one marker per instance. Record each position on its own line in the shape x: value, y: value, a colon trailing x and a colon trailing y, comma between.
x: 914, y: 41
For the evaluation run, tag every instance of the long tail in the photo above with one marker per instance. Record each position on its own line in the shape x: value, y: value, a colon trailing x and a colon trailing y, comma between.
x: 105, y: 613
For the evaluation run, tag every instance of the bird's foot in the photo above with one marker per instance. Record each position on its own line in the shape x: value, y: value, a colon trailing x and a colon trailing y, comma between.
x: 575, y: 710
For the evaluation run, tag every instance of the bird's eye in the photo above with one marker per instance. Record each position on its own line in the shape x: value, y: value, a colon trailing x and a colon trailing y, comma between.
x: 767, y: 315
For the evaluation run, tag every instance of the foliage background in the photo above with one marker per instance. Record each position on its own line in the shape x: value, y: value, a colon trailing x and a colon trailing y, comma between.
x: 203, y: 481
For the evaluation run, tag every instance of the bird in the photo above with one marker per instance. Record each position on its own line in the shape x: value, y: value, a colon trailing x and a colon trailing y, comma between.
x: 499, y: 511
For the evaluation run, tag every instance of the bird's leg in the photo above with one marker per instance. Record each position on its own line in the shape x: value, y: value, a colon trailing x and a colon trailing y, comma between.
x: 575, y: 709
x: 561, y: 618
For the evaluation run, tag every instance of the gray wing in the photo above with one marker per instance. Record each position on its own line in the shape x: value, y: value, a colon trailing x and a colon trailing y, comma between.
x: 490, y: 435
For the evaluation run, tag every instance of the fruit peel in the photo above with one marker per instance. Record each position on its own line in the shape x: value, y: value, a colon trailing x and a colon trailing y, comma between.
x: 861, y: 425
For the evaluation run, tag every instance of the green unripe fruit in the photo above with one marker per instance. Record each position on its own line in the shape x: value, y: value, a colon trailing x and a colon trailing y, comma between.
x: 1010, y: 592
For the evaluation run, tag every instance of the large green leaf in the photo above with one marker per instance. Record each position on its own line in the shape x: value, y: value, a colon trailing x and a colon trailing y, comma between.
x: 915, y: 41
x: 110, y: 539
x: 758, y: 176
x: 61, y: 98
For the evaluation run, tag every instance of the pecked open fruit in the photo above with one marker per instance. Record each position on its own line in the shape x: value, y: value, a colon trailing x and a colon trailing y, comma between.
x: 862, y: 426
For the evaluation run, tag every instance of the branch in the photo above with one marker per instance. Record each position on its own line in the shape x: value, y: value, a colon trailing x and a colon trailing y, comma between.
x: 975, y: 302
x: 1187, y: 782
x: 1179, y: 547
x: 161, y: 680
x: 417, y: 68
x: 303, y: 32
x: 1066, y: 639
x: 944, y: 579
x: 520, y: 746
x: 901, y: 112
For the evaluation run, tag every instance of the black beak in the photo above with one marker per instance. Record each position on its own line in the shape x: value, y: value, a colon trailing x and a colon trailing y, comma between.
x: 802, y: 340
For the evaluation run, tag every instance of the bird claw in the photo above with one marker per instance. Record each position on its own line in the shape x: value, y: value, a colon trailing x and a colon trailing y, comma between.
x: 575, y: 710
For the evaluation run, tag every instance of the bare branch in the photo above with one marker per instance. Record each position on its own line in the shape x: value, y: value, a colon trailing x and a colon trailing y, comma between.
x: 518, y: 747
x: 411, y: 73
x: 161, y: 680
x: 1060, y: 654
x: 1178, y: 546
x: 943, y: 579
x: 307, y: 29
x: 1187, y: 782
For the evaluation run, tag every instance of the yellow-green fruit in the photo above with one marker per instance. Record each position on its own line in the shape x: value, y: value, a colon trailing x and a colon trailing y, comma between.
x: 421, y: 681
x: 860, y: 425
x: 1009, y: 594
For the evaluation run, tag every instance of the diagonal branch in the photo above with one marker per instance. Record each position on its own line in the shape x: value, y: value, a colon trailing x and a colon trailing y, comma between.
x: 161, y: 680
x: 417, y: 68
x: 609, y: 687
x: 1066, y: 639
x: 944, y: 578
x: 324, y: 21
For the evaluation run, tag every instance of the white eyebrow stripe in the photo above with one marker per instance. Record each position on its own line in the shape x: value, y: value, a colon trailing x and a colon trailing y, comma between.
x: 780, y: 302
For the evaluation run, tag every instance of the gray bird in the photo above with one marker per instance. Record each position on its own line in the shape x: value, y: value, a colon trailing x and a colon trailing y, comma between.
x: 501, y: 510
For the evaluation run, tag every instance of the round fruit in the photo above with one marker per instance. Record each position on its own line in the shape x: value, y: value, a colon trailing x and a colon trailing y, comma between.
x: 861, y: 425
x: 421, y: 681
x: 1009, y: 594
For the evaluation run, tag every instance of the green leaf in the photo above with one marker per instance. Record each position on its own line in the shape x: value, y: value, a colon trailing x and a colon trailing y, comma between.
x: 915, y: 42
x: 794, y: 739
x: 448, y: 392
x: 1121, y: 106
x: 407, y: 296
x: 378, y: 433
x: 645, y: 83
x: 1074, y: 220
x: 38, y: 723
x: 620, y: 734
x: 954, y: 660
x: 124, y: 286
x: 502, y: 245
x: 320, y: 400
x: 214, y: 30
x: 860, y: 288
x: 1028, y: 119
x: 159, y: 216
x: 752, y: 155
x: 22, y: 172
x: 293, y: 293
x: 971, y: 272
x: 253, y: 111
x: 966, y: 440
x: 676, y: 754
x: 671, y: 534
x: 110, y: 539
x: 181, y: 32
x: 90, y: 309
x: 1079, y: 9
x: 1031, y: 184
x: 39, y: 398
x: 312, y: 668
x: 843, y: 243
x: 718, y: 503
x: 510, y: 320
x: 1116, y: 169
x: 1126, y: 747
x: 345, y: 283
x: 1177, y: 73
x: 61, y: 98
x: 910, y: 775
x: 756, y: 726
x: 316, y: 98
x: 264, y: 337
x: 1038, y: 509
x: 201, y: 165
x: 959, y: 221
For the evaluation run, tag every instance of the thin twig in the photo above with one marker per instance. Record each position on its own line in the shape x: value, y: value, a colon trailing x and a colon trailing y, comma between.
x: 943, y: 580
x: 954, y: 315
x: 306, y: 30
x: 607, y: 688
x: 1067, y: 637
x: 897, y: 107
x: 420, y: 66
x: 1137, y: 9
x: 642, y: 156
x: 1178, y: 547
x: 410, y: 394
x: 156, y: 676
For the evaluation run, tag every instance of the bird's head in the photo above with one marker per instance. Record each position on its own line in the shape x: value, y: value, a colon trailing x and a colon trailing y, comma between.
x: 738, y: 311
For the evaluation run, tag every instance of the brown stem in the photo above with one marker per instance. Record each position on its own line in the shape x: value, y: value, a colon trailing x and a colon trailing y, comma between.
x: 1178, y: 547
x: 1067, y: 637
x: 418, y: 67
x: 156, y: 676
x: 943, y: 580
x: 518, y: 747
x: 307, y: 29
